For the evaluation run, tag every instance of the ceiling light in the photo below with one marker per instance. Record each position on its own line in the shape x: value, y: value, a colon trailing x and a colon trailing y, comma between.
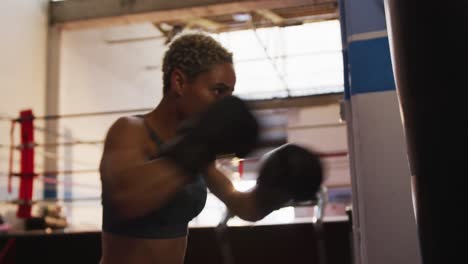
x: 244, y: 17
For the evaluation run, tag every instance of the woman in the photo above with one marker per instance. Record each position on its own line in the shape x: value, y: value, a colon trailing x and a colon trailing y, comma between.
x: 148, y: 201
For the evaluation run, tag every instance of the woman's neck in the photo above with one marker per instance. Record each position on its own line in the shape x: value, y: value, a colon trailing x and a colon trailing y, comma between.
x: 164, y: 119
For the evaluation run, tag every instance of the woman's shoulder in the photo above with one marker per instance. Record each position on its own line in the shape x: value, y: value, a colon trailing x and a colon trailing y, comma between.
x: 126, y: 128
x: 127, y: 124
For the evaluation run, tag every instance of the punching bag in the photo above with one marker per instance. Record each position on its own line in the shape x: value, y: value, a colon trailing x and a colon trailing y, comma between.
x: 430, y: 58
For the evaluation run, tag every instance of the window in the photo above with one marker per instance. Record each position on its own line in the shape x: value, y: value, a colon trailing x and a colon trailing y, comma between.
x: 287, y: 62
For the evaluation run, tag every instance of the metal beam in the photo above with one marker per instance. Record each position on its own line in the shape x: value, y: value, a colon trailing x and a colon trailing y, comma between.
x: 206, y: 24
x: 270, y: 15
x: 313, y: 100
x: 52, y: 105
x: 74, y: 14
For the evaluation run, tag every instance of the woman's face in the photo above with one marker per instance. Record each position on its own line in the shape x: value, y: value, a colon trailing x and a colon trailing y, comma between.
x: 206, y: 88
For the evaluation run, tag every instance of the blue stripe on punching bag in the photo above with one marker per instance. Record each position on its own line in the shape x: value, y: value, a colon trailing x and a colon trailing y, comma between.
x: 370, y: 66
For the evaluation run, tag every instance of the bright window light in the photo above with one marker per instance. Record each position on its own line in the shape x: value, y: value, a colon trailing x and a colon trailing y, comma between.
x: 287, y: 62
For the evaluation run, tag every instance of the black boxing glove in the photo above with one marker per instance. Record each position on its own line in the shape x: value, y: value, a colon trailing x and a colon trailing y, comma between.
x: 226, y: 127
x: 292, y: 169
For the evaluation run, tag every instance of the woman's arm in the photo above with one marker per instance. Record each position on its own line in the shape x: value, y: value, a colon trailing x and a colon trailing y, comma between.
x: 252, y: 205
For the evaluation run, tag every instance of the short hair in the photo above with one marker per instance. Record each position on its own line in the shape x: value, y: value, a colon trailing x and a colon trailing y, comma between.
x: 193, y: 53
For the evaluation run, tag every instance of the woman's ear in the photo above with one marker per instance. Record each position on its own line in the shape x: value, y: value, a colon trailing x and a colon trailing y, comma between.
x: 178, y: 82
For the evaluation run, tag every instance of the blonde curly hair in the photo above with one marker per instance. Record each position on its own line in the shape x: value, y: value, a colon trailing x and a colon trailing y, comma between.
x: 193, y: 53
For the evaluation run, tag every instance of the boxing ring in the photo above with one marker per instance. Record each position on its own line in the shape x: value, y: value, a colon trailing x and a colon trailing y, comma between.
x: 24, y: 151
